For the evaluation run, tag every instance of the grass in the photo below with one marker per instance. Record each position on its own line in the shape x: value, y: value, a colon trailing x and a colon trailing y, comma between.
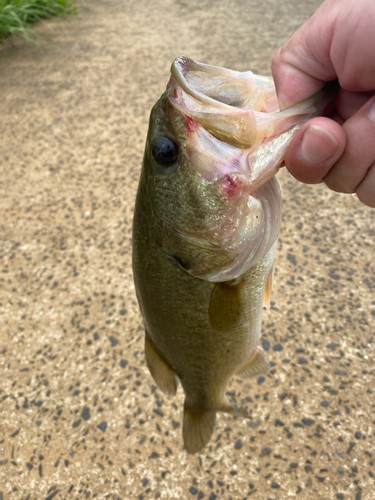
x: 17, y: 15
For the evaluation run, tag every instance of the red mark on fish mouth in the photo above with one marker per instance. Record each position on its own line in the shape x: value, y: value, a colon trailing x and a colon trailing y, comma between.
x: 231, y: 184
x: 192, y: 124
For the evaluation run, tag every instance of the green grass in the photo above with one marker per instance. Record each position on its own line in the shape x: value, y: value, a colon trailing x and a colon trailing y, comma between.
x: 17, y: 15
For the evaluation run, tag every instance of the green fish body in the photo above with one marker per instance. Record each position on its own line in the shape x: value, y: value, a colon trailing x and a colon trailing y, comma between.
x: 206, y: 223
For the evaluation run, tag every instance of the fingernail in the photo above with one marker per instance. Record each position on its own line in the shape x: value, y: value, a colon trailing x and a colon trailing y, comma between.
x: 371, y: 111
x: 317, y: 145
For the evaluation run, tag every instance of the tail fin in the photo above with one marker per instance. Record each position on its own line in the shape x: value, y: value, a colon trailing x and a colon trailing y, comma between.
x: 197, y: 429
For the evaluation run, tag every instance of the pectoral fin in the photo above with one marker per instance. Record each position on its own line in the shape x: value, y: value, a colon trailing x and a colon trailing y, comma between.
x: 268, y: 289
x: 163, y: 375
x: 197, y: 429
x: 226, y: 305
x: 258, y: 365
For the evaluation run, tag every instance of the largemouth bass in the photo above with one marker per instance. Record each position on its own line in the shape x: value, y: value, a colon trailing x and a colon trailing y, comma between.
x: 206, y: 223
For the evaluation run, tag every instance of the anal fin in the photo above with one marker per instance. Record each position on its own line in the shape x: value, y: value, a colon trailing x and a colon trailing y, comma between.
x: 258, y: 365
x: 234, y: 409
x: 163, y: 375
x: 197, y: 429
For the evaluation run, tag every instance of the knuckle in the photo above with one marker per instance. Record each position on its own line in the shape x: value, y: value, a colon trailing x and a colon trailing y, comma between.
x: 353, y: 81
x: 348, y: 81
x: 277, y: 60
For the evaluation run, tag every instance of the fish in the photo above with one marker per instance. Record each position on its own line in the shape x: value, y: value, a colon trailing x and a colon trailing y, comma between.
x: 206, y: 222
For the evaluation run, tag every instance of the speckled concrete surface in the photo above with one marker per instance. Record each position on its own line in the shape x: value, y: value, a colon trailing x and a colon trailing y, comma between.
x: 80, y: 416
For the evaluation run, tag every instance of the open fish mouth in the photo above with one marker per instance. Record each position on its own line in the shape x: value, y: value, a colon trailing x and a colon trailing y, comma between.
x: 219, y: 87
x: 239, y: 108
x: 233, y: 106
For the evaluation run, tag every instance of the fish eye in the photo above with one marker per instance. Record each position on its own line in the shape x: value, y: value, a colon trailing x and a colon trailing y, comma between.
x: 165, y: 151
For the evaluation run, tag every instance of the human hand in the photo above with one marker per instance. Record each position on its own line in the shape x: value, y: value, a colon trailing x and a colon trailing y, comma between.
x: 337, y: 42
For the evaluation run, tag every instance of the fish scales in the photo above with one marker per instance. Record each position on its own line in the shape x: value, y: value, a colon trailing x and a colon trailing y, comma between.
x: 206, y: 223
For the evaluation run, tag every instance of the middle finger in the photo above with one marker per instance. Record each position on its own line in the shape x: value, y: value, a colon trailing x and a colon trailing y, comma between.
x: 348, y: 103
x: 359, y: 154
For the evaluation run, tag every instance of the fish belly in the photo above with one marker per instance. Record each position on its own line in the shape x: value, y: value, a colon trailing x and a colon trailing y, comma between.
x: 182, y: 337
x: 176, y: 311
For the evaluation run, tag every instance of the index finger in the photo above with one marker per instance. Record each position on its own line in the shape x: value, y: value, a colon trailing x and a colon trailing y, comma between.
x: 303, y: 65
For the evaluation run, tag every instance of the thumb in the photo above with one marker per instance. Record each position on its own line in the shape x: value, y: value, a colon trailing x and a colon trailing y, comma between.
x: 315, y: 149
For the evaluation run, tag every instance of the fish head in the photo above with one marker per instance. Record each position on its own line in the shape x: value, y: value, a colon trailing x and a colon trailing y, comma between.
x: 216, y: 139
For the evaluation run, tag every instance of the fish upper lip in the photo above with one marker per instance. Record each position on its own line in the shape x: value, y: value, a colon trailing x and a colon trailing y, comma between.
x: 230, y: 107
x: 178, y: 69
x: 182, y: 65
